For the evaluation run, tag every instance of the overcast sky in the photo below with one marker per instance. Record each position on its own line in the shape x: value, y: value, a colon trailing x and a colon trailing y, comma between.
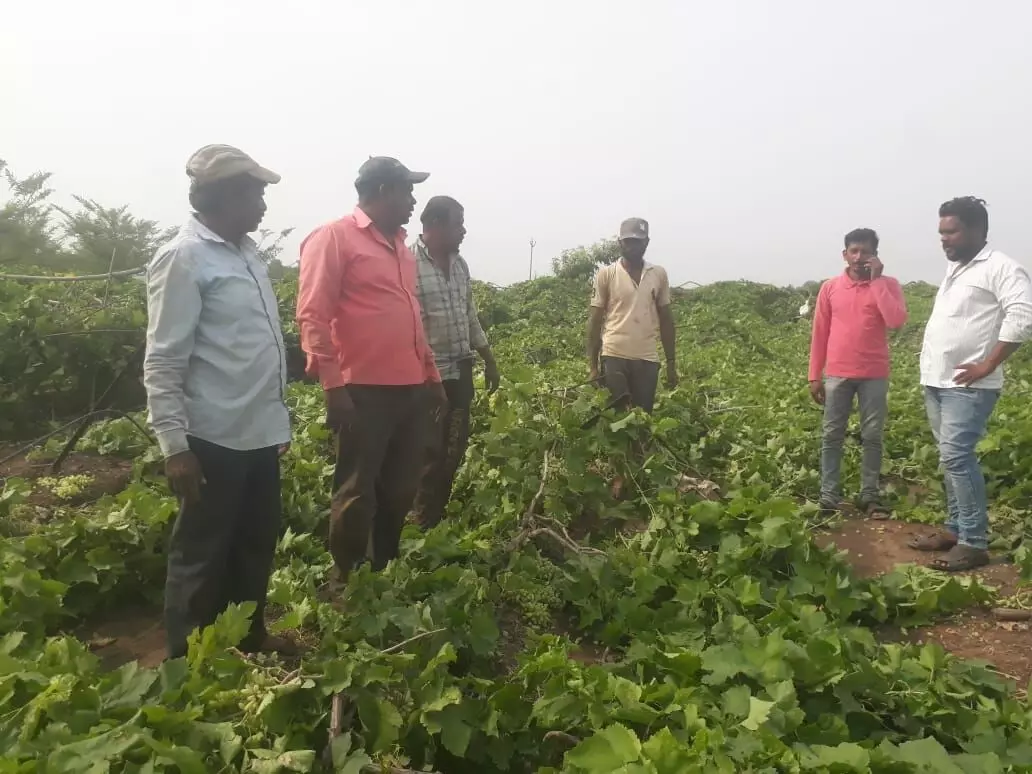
x: 752, y: 135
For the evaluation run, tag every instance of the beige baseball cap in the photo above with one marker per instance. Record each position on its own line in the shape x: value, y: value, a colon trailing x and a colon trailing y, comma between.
x: 634, y: 228
x: 217, y: 162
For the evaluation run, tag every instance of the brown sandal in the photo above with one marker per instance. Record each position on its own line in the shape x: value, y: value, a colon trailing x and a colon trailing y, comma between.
x: 940, y: 541
x: 829, y: 509
x: 961, y: 558
x: 876, y: 511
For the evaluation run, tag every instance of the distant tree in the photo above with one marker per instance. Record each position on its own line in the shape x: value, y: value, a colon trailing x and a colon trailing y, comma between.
x: 82, y: 240
x: 96, y: 235
x: 583, y: 262
x: 28, y: 236
x: 269, y: 251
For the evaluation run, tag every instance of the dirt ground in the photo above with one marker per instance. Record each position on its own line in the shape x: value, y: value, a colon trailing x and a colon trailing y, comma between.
x: 133, y: 634
x: 110, y: 476
x: 876, y: 547
x: 873, y: 548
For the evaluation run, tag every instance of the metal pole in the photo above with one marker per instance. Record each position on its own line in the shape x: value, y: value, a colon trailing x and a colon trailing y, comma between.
x: 530, y: 273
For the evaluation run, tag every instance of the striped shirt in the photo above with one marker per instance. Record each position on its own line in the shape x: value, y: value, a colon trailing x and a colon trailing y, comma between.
x: 980, y: 303
x: 449, y: 312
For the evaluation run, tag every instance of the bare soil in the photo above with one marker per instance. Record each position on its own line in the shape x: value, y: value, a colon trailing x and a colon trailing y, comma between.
x: 873, y: 548
x: 110, y: 476
x: 876, y: 547
x: 133, y: 634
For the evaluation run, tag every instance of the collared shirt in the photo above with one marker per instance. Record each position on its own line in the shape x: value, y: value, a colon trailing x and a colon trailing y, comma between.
x: 215, y: 365
x: 981, y: 303
x: 631, y: 310
x: 357, y: 308
x: 450, y: 317
x: 850, y: 324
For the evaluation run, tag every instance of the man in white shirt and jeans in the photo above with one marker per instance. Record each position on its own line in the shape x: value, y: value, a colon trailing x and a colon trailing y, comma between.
x: 215, y: 375
x: 982, y: 314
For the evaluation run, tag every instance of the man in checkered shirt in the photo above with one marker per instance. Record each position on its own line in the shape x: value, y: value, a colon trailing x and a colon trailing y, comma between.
x: 454, y: 332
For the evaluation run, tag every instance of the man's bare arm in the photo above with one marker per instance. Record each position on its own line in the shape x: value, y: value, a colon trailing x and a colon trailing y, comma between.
x: 595, y: 320
x: 667, y: 332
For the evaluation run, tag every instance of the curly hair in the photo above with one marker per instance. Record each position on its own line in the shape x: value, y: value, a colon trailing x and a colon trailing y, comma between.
x: 969, y: 210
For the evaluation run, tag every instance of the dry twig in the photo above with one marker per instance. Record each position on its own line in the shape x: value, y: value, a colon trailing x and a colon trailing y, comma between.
x: 531, y: 524
x: 564, y: 737
x: 99, y: 413
x: 339, y: 702
x: 403, y: 643
x: 84, y: 278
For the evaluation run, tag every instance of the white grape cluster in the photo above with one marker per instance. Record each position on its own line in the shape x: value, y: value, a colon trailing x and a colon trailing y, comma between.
x: 66, y: 487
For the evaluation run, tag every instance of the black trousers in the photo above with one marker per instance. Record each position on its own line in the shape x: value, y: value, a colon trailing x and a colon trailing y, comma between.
x: 448, y: 437
x: 635, y: 380
x: 222, y: 546
x: 379, y: 459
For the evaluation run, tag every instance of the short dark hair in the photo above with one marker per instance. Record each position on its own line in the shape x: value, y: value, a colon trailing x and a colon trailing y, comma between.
x: 969, y: 210
x: 208, y: 198
x: 439, y: 209
x: 373, y: 189
x: 862, y: 236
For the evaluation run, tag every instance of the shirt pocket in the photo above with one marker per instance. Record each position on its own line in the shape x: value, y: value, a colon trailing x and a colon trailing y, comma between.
x: 369, y: 274
x: 233, y: 307
x: 968, y: 298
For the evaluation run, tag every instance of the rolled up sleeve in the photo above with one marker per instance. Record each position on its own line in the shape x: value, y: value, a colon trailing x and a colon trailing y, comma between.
x: 1014, y: 290
x: 318, y: 293
x: 173, y: 311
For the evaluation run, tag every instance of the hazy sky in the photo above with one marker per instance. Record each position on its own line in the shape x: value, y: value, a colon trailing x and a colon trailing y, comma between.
x: 751, y: 134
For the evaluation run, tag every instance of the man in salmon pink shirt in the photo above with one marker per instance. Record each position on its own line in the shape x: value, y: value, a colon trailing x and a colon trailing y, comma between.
x: 363, y: 334
x: 849, y: 357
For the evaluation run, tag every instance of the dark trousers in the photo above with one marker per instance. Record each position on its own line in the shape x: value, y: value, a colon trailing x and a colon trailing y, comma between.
x: 222, y: 546
x: 447, y: 439
x: 379, y: 459
x: 633, y: 380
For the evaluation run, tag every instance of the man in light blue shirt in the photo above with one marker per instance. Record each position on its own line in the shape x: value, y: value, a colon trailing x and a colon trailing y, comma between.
x: 215, y: 374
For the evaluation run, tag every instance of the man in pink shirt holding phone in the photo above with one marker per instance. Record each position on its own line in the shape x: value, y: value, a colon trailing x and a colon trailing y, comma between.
x: 849, y: 357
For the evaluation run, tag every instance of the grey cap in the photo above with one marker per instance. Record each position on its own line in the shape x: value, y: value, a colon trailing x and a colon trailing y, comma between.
x: 218, y: 162
x: 634, y: 228
x: 384, y: 170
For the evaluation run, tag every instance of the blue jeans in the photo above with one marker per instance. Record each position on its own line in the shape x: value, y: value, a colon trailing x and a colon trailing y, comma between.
x: 872, y: 397
x: 959, y: 417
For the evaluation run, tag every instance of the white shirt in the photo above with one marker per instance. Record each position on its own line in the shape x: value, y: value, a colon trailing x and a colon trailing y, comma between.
x: 215, y: 367
x: 979, y: 304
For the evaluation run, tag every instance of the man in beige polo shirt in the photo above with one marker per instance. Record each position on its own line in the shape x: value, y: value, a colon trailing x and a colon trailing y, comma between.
x: 631, y: 300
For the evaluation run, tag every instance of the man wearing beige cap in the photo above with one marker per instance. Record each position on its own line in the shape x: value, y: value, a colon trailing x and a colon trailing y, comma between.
x: 630, y: 300
x: 215, y: 377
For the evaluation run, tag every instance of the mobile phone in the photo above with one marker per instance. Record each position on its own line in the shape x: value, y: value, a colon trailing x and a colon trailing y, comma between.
x: 864, y: 270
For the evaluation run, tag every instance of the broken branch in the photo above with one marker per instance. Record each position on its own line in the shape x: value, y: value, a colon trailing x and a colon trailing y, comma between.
x: 403, y: 643
x: 530, y: 525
